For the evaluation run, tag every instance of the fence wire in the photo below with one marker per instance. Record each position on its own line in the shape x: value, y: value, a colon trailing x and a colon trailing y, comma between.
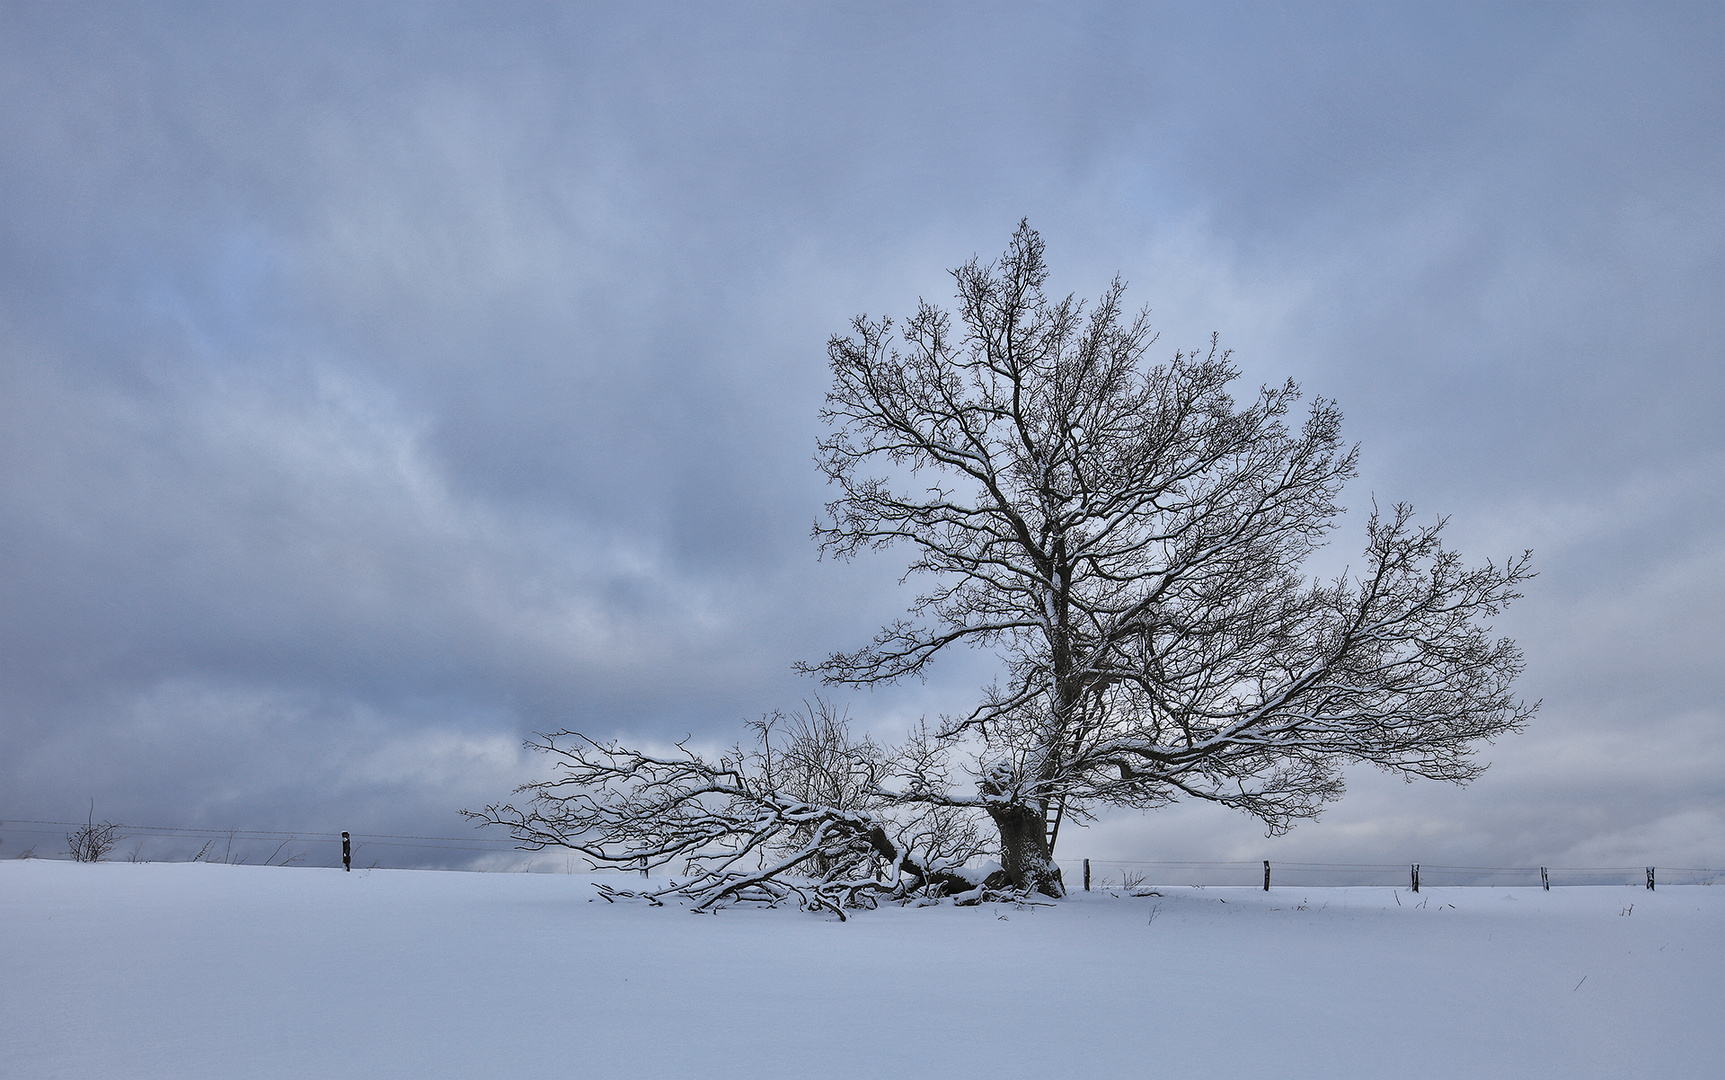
x: 311, y: 847
x: 1117, y: 874
x: 297, y: 847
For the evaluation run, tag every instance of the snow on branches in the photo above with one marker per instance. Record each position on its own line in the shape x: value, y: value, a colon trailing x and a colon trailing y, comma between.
x: 801, y: 816
x: 1130, y: 540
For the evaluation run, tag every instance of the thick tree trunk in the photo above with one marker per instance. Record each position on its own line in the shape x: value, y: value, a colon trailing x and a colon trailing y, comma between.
x: 1024, y: 854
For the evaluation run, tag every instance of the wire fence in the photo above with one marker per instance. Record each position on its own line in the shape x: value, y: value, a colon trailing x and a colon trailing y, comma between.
x: 28, y: 838
x: 1100, y: 874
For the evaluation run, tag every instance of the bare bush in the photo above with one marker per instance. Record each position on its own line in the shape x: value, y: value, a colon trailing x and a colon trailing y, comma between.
x: 91, y: 842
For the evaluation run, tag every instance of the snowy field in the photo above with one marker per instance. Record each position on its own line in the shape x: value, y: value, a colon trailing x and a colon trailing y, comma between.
x: 195, y: 971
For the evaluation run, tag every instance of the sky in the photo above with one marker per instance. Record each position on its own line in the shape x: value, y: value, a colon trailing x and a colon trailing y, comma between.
x: 381, y: 384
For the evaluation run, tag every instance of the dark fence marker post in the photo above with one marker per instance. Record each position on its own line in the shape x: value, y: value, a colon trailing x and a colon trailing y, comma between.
x: 1650, y: 879
x: 346, y: 853
x: 1266, y: 875
x: 1544, y: 880
x: 1086, y: 875
x: 1416, y: 877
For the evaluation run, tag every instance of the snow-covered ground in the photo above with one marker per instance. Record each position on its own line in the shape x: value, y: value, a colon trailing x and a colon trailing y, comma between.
x: 195, y: 971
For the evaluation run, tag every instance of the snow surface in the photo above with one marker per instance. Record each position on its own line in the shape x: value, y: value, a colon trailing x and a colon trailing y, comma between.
x: 196, y: 971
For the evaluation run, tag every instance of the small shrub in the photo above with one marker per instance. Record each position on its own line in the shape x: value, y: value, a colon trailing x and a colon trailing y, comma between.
x: 91, y: 842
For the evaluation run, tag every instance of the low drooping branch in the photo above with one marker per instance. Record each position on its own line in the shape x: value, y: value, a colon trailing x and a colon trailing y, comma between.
x: 741, y: 829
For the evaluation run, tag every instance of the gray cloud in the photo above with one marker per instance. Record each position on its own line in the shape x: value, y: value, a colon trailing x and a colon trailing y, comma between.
x: 381, y: 385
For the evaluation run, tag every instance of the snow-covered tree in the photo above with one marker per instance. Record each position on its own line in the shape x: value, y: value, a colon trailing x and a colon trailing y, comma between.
x: 1130, y: 540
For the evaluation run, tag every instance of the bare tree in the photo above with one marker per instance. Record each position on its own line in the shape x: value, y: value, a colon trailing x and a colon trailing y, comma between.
x: 91, y: 842
x: 797, y: 817
x: 1130, y: 540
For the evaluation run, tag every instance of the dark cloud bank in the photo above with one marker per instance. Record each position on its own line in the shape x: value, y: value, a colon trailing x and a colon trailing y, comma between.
x: 378, y: 386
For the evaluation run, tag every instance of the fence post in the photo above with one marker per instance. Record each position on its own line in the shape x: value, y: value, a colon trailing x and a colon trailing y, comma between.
x: 1416, y: 877
x: 1086, y: 875
x: 1544, y: 880
x: 346, y: 853
x: 1650, y: 879
x: 1266, y: 875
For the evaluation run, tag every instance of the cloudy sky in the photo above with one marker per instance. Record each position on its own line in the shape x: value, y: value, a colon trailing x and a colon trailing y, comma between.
x: 381, y: 384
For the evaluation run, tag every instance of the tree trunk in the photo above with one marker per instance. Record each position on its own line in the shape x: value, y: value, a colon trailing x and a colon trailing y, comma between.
x: 1024, y: 854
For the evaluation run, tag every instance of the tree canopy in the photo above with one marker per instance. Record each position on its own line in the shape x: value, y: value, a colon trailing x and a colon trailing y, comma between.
x: 1130, y: 540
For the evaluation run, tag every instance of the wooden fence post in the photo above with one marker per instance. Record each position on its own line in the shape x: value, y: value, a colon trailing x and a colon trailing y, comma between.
x: 1544, y: 879
x: 1650, y: 879
x: 1086, y: 875
x: 1266, y: 875
x: 1416, y: 877
x: 346, y: 853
